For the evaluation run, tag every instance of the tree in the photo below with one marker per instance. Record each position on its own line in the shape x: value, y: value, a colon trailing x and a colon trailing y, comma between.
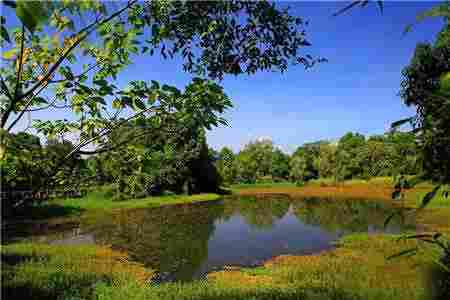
x: 423, y: 86
x: 256, y: 156
x: 280, y: 165
x: 326, y: 161
x: 246, y: 167
x: 350, y: 155
x: 310, y: 152
x: 148, y: 160
x: 43, y: 69
x: 226, y: 166
x: 299, y: 168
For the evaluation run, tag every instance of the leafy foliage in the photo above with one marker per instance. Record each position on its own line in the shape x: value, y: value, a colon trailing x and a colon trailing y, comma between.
x: 424, y: 86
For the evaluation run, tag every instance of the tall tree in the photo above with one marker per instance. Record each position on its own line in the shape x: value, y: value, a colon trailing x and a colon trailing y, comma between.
x: 225, y: 165
x: 425, y: 86
x: 66, y: 52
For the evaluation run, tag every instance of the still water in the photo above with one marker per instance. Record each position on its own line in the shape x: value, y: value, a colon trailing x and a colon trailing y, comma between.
x: 184, y: 242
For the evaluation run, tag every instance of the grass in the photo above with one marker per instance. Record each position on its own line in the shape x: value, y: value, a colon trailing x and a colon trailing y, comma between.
x: 357, y: 269
x: 98, y: 200
x: 40, y: 271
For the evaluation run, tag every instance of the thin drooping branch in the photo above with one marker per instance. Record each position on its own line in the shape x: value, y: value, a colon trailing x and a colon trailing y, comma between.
x: 77, y: 149
x: 19, y: 69
x: 24, y: 110
x: 51, y: 105
x: 83, y: 34
x: 15, y: 99
x: 77, y: 76
x: 106, y: 131
x: 126, y: 141
x: 5, y: 88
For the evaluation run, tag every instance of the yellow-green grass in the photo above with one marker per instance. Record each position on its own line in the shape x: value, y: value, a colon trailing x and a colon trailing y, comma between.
x: 357, y: 269
x: 95, y: 201
x: 41, y: 271
x: 99, y: 201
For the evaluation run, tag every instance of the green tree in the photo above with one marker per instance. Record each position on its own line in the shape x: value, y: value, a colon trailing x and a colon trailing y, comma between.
x: 42, y: 67
x: 280, y: 165
x: 299, y: 168
x: 246, y: 167
x: 424, y: 86
x: 226, y: 165
x: 350, y: 155
x: 326, y: 161
x: 256, y: 157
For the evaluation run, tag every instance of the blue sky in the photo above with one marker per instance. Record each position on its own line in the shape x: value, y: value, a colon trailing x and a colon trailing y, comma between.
x: 356, y: 90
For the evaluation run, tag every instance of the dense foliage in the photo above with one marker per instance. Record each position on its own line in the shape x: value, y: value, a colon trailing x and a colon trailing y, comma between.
x: 353, y: 156
x: 426, y: 86
x: 67, y: 55
x: 144, y: 137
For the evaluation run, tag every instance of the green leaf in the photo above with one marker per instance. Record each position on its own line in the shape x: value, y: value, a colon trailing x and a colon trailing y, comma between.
x: 4, y: 34
x: 10, y: 54
x: 444, y: 83
x: 100, y: 82
x: 388, y: 219
x: 399, y: 123
x: 152, y: 98
x: 32, y: 13
x: 429, y: 196
x: 137, y: 103
x: 116, y: 104
x: 403, y: 253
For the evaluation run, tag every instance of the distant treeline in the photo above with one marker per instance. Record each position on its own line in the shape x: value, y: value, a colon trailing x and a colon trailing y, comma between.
x: 181, y: 162
x: 352, y: 156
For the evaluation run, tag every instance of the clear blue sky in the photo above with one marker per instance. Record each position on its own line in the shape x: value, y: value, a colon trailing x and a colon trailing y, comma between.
x: 357, y: 90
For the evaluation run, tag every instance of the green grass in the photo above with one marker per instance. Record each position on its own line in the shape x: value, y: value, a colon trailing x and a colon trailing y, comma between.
x: 356, y: 270
x: 96, y: 200
x: 40, y: 271
x: 99, y: 200
x: 437, y: 202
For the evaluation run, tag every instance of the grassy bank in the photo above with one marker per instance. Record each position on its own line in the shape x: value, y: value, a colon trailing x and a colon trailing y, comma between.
x: 40, y: 271
x: 99, y: 200
x: 357, y: 269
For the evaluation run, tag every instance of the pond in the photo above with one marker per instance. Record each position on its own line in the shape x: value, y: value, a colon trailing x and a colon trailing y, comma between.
x: 184, y: 242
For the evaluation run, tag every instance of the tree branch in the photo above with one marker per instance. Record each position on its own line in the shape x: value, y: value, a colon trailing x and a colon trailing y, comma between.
x: 19, y: 71
x: 105, y: 131
x: 84, y: 33
x: 24, y: 109
x: 15, y: 97
x: 5, y: 88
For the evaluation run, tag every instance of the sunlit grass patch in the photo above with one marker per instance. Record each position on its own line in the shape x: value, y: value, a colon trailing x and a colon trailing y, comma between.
x: 98, y: 201
x: 41, y: 271
x: 358, y: 265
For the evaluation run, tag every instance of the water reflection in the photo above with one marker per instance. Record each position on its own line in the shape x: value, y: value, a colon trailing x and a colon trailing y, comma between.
x: 185, y: 241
